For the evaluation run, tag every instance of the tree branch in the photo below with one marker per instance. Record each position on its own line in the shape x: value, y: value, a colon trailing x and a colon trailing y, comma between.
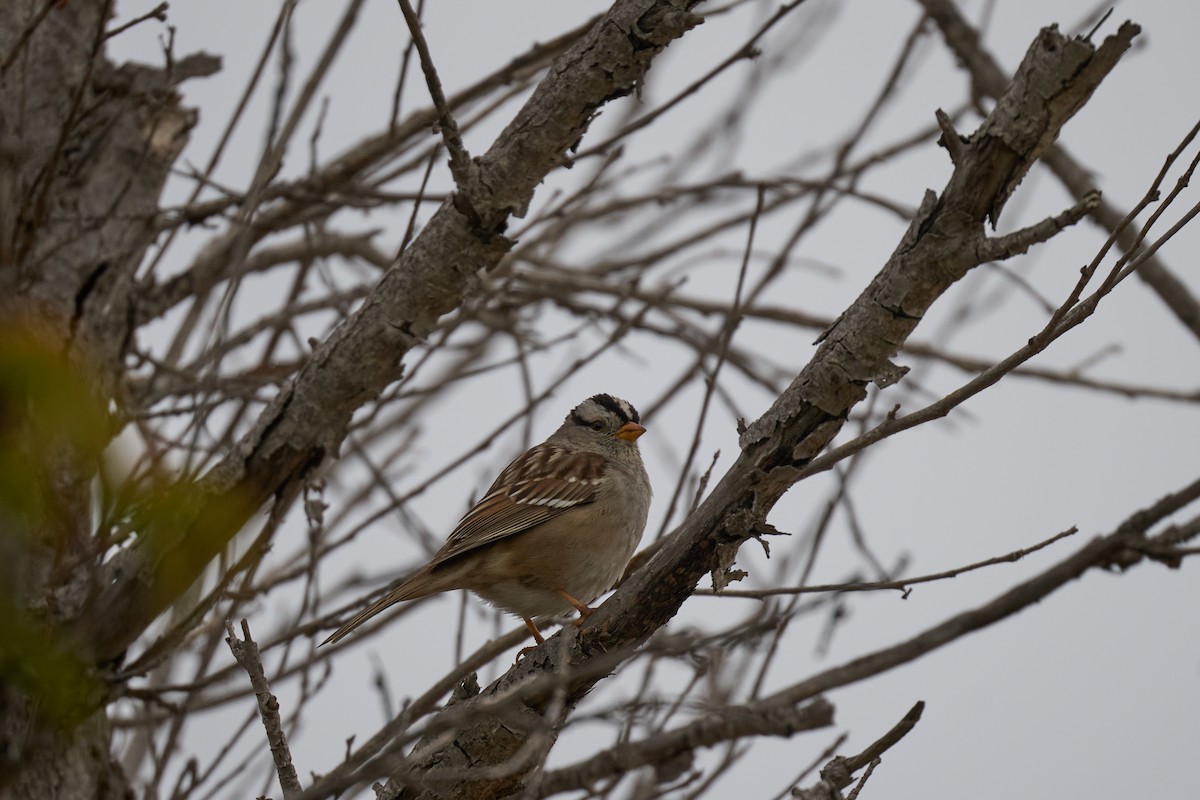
x: 718, y: 726
x: 989, y: 80
x: 308, y: 419
x: 838, y: 773
x: 1122, y: 548
x: 460, y: 159
x: 246, y: 652
x: 941, y: 246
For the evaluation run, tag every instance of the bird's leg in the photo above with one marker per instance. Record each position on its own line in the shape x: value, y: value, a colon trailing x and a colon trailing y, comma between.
x: 537, y: 635
x: 582, y: 608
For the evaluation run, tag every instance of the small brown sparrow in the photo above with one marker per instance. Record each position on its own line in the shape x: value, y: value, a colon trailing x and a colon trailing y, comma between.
x: 556, y: 529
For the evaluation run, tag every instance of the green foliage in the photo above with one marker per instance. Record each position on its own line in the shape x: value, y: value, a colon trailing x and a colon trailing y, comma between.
x: 50, y: 419
x: 34, y: 659
x: 53, y: 431
x: 54, y: 428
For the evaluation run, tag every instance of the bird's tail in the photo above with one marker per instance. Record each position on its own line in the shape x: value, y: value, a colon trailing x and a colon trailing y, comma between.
x: 411, y: 589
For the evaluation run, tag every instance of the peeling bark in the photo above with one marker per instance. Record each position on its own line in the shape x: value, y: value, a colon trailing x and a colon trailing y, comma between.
x: 943, y: 243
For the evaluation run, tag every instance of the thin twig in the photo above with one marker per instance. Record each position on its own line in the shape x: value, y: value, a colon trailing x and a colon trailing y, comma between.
x: 159, y: 12
x: 901, y: 585
x: 460, y: 159
x: 246, y: 653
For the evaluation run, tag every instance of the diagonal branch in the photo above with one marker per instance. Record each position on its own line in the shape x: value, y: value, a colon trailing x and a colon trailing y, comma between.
x: 308, y: 419
x: 989, y: 80
x: 460, y: 159
x: 1004, y: 247
x: 718, y: 726
x: 246, y: 652
x: 942, y: 244
x: 1125, y: 546
x: 838, y: 773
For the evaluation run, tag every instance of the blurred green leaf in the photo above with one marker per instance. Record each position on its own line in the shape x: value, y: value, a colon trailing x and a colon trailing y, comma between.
x: 63, y: 687
x: 50, y: 419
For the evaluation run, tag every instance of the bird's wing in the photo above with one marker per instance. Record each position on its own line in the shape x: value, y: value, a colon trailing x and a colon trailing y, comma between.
x: 541, y: 484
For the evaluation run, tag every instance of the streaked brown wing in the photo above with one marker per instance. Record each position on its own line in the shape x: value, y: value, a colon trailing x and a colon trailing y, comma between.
x: 538, y: 486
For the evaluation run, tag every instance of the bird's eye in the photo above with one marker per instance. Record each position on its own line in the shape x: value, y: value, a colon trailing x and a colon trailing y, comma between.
x: 597, y: 425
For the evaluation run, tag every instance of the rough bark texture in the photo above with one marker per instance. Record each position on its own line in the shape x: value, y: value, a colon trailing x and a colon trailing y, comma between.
x: 84, y: 152
x: 989, y: 80
x: 944, y: 242
x: 308, y: 419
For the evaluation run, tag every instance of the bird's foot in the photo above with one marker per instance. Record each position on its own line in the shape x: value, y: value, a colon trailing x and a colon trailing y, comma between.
x: 584, y: 610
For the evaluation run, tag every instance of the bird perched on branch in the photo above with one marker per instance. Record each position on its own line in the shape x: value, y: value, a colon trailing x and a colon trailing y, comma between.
x: 556, y: 529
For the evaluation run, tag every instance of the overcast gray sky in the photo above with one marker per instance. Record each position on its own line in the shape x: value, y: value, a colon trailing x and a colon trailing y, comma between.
x: 1094, y: 692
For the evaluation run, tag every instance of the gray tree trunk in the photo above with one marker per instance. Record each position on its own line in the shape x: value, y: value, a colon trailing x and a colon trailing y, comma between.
x: 84, y: 152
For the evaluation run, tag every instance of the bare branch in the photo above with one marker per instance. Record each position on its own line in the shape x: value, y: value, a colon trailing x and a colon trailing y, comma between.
x: 856, y: 351
x: 432, y: 277
x: 899, y: 585
x: 718, y: 726
x: 989, y: 80
x: 245, y: 651
x: 1017, y: 242
x: 460, y: 159
x: 1124, y: 547
x: 839, y: 773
